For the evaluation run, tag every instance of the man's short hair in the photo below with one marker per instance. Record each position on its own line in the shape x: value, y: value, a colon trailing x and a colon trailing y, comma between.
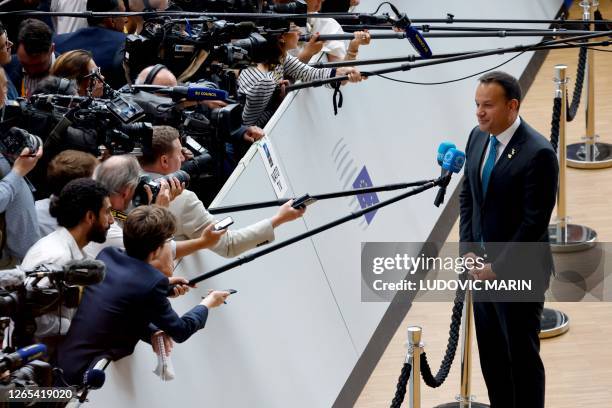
x: 67, y: 166
x: 161, y: 143
x: 510, y: 84
x: 147, y: 228
x: 118, y: 172
x: 76, y: 199
x: 35, y: 36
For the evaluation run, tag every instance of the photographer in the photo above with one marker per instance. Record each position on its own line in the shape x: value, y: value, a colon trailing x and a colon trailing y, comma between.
x: 65, y: 167
x: 262, y: 86
x: 79, y: 65
x: 35, y: 56
x: 164, y: 158
x: 121, y: 175
x: 18, y: 219
x: 83, y: 213
x: 131, y: 303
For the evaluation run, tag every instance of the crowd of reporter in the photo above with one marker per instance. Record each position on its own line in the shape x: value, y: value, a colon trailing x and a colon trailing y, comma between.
x: 73, y: 188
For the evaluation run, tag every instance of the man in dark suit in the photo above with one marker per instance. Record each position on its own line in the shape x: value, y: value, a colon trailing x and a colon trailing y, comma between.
x: 131, y: 303
x: 508, y: 195
x: 104, y: 38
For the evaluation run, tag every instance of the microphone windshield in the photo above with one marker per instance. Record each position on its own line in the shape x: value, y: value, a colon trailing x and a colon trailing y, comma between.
x: 84, y: 272
x: 453, y: 160
x: 442, y: 149
x: 33, y: 352
x: 94, y: 378
x: 418, y: 42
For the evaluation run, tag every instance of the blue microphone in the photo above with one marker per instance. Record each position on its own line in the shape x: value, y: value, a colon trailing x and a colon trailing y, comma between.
x: 442, y: 149
x: 94, y: 378
x: 452, y: 162
x: 418, y: 41
x: 22, y: 357
x: 195, y: 92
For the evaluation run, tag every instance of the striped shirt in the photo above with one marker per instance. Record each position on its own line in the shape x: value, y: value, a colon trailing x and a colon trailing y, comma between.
x: 258, y: 87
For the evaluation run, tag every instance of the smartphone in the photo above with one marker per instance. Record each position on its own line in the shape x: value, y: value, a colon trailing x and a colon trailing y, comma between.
x: 303, y: 202
x: 223, y: 224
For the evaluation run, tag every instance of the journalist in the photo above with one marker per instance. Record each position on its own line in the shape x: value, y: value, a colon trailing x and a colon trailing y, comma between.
x: 83, y: 213
x: 131, y: 303
x: 262, y: 86
x: 165, y: 157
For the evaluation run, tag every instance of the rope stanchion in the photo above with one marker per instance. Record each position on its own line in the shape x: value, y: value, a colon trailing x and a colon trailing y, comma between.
x: 451, y: 348
x: 573, y: 107
x: 564, y: 237
x: 402, y: 383
x: 589, y: 154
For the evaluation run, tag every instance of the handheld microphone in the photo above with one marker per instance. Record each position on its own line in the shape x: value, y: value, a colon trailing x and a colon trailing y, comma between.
x: 94, y: 379
x: 452, y: 163
x: 195, y: 92
x: 82, y: 272
x: 22, y: 357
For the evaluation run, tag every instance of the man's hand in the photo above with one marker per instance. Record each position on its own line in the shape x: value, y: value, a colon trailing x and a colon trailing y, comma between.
x: 360, y: 38
x: 182, y: 286
x: 168, y: 343
x: 214, y: 298
x: 26, y: 161
x: 214, y: 104
x: 485, y: 273
x: 287, y: 213
x: 210, y: 237
x: 176, y: 187
x: 253, y: 134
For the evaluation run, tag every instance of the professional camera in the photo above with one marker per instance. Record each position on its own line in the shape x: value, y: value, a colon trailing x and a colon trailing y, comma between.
x: 36, y: 298
x: 15, y: 140
x: 140, y: 195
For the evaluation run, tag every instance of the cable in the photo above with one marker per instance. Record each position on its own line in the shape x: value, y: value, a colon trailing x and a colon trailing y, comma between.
x: 452, y: 80
x: 382, y: 4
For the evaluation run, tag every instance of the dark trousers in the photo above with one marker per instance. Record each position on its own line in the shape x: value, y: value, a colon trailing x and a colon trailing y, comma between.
x: 509, y: 348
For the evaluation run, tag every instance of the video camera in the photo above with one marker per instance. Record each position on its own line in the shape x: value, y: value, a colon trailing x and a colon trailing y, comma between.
x: 26, y: 369
x: 33, y: 298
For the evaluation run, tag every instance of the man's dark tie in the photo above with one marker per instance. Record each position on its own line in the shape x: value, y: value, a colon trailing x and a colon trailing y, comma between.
x: 489, y: 164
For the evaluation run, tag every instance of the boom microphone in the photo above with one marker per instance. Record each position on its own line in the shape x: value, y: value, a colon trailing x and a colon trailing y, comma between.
x: 418, y: 42
x: 195, y: 92
x: 82, y: 272
x: 22, y: 357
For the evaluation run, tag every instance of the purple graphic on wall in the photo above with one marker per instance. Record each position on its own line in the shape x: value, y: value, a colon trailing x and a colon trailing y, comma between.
x: 369, y: 199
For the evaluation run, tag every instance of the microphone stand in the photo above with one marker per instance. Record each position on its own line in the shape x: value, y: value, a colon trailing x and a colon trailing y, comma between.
x: 408, y: 66
x: 281, y: 201
x: 412, y: 58
x: 250, y: 257
x: 498, y: 33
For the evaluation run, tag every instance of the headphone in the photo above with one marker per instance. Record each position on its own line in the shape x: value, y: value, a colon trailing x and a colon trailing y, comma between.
x: 153, y: 73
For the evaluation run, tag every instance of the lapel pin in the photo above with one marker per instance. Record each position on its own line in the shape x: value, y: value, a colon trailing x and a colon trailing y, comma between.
x: 512, y: 153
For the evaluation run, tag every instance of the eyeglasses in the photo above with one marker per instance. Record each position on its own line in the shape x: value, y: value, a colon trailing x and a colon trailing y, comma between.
x: 96, y: 72
x: 167, y: 241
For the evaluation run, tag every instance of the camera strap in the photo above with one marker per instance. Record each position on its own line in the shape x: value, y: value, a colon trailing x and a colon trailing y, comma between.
x: 119, y: 215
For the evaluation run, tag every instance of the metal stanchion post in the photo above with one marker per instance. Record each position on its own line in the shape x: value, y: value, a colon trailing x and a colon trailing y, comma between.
x: 465, y: 399
x: 590, y: 154
x: 564, y: 237
x: 415, y: 349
